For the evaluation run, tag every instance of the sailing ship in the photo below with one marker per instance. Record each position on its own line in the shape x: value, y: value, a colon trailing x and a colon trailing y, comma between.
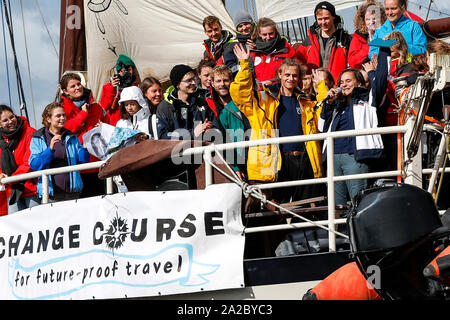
x: 113, y: 27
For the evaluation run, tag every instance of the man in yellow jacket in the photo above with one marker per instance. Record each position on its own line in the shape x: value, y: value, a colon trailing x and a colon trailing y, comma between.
x: 280, y: 110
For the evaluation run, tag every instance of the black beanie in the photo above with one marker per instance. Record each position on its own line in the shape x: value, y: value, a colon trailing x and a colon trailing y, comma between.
x: 327, y: 6
x: 177, y: 73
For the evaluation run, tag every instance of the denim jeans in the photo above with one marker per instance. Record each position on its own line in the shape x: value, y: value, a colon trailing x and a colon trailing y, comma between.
x: 345, y: 164
x: 24, y: 203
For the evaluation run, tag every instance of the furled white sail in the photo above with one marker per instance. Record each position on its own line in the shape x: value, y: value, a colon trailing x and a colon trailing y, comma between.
x: 155, y: 34
x: 282, y: 10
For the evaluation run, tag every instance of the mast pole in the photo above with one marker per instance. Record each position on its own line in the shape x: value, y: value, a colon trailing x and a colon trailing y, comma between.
x: 72, y: 42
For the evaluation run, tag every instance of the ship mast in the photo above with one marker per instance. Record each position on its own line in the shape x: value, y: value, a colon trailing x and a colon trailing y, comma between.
x: 72, y: 44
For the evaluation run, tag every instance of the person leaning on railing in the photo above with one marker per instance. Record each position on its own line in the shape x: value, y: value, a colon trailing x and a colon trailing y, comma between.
x: 354, y: 107
x: 54, y: 146
x: 15, y: 137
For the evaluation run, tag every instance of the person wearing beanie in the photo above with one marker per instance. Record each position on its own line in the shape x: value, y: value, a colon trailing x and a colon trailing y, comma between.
x: 245, y: 26
x: 218, y: 39
x: 183, y: 114
x: 126, y: 75
x: 328, y: 43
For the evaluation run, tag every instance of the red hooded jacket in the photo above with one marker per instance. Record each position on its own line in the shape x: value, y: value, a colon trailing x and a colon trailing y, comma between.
x: 21, y: 155
x: 106, y: 101
x: 339, y: 52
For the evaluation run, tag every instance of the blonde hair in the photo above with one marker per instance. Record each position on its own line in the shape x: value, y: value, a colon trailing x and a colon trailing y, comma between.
x: 360, y: 16
x: 400, y: 46
x: 222, y: 69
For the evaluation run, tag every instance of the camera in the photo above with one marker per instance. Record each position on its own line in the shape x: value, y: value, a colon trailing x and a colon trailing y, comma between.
x: 126, y: 78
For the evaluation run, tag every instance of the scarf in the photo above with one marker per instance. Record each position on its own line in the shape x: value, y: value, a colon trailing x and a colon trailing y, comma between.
x: 242, y: 38
x: 268, y: 46
x: 7, y: 162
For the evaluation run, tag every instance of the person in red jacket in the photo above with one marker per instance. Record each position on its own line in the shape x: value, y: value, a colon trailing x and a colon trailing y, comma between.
x: 82, y: 115
x: 15, y: 137
x: 368, y: 17
x: 126, y: 76
x: 270, y: 50
x: 328, y: 43
x: 218, y: 40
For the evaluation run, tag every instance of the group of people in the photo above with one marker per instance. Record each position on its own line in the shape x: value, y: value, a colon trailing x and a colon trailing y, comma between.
x: 254, y: 85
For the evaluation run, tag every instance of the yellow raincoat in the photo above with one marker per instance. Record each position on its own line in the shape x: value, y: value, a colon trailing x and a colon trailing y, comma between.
x: 260, y: 108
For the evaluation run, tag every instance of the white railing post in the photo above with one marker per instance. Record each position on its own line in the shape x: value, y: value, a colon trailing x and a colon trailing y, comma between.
x: 331, y: 200
x: 44, y: 188
x: 208, y: 167
x: 109, y: 185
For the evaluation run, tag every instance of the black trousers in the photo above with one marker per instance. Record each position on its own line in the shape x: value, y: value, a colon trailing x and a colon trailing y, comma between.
x: 297, y: 167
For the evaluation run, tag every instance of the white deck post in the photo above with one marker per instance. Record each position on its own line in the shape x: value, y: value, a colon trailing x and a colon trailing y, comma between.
x: 330, y: 187
x: 44, y: 188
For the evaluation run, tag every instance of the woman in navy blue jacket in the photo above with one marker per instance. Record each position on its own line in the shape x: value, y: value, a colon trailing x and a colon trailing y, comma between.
x: 355, y: 107
x: 54, y: 146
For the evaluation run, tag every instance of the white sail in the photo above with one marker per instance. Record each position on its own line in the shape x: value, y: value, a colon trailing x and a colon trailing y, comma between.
x: 155, y: 34
x: 282, y: 10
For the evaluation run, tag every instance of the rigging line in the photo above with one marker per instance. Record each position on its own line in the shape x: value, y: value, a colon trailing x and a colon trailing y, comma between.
x: 440, y: 12
x: 28, y: 64
x: 45, y: 24
x: 21, y: 94
x: 6, y: 57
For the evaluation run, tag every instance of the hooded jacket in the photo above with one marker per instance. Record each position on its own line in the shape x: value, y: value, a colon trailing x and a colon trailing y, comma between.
x: 140, y: 120
x: 339, y: 42
x: 21, y: 155
x: 358, y: 50
x: 41, y: 157
x: 260, y: 108
x: 266, y: 61
x: 217, y: 56
x: 412, y: 32
x: 174, y: 115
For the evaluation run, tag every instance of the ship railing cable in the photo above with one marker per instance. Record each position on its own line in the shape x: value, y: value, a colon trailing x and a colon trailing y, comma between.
x: 255, y: 191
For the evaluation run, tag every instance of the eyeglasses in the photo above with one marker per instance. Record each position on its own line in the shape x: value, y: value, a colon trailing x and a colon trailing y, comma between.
x: 188, y: 80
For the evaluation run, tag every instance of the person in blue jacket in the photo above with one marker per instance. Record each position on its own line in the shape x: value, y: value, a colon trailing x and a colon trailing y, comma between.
x: 396, y: 21
x: 54, y: 146
x: 350, y: 107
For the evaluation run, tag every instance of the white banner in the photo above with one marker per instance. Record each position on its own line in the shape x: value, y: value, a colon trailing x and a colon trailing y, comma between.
x: 124, y: 245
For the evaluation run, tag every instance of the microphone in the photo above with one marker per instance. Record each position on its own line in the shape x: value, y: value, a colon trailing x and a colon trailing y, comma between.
x: 320, y: 103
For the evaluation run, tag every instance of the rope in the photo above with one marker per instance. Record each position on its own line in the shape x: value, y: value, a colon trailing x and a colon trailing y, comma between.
x: 6, y: 56
x: 28, y: 63
x: 255, y: 191
x: 45, y: 24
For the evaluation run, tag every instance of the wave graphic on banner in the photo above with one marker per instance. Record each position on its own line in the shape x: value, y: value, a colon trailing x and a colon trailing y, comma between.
x: 53, y: 278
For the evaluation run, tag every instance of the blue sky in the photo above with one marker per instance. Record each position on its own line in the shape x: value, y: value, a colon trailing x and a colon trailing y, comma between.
x: 43, y: 60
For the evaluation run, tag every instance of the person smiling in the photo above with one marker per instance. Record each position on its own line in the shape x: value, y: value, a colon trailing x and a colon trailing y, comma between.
x: 280, y: 110
x: 328, y: 43
x: 54, y: 146
x: 397, y: 21
x: 15, y: 137
x: 352, y: 106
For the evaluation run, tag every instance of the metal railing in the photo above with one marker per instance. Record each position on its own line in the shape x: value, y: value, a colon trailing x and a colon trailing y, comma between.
x: 207, y: 152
